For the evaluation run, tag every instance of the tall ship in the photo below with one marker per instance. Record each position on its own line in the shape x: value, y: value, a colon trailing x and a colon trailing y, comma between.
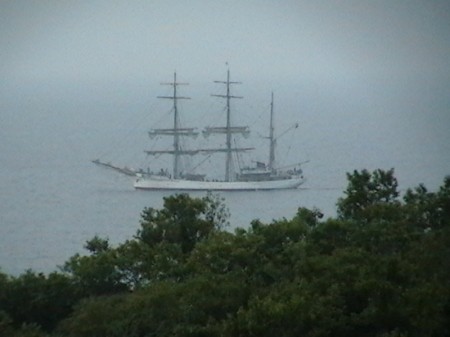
x: 261, y: 176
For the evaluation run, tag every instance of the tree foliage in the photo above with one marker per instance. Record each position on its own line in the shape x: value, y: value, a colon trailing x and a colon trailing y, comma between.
x: 381, y: 268
x: 366, y: 192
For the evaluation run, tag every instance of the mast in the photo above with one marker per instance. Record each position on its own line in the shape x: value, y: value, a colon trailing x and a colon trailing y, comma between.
x: 229, y: 130
x: 176, y: 132
x: 272, y: 139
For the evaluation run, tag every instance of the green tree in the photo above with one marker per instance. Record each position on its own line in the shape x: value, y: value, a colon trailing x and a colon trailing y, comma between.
x: 97, y: 245
x: 96, y: 274
x: 380, y: 269
x: 428, y: 210
x: 153, y: 311
x: 367, y: 190
x: 183, y: 220
x: 168, y: 236
x: 38, y: 300
x: 158, y: 251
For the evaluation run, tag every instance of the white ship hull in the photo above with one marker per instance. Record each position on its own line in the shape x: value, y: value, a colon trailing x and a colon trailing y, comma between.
x: 261, y: 177
x: 164, y: 183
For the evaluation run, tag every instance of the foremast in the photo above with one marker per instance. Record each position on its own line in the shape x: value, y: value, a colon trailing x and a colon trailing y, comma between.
x: 229, y: 130
x: 176, y: 132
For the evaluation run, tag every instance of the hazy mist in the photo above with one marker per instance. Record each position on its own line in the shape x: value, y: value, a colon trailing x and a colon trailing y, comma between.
x: 68, y: 68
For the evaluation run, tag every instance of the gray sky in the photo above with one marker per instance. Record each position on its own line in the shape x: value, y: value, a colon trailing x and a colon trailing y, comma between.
x: 310, y: 40
x: 359, y: 75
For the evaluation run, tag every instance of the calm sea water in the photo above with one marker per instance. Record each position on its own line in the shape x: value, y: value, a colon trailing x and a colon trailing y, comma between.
x: 53, y: 199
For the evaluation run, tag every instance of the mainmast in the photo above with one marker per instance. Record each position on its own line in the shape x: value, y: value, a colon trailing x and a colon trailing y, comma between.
x: 176, y: 131
x: 229, y: 130
x: 272, y: 139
